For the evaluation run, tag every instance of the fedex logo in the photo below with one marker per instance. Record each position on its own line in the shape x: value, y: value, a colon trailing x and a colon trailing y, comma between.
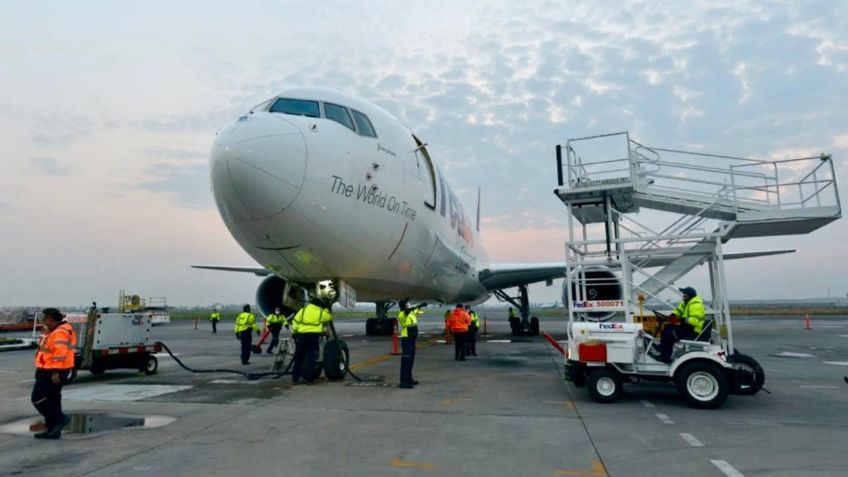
x: 610, y: 326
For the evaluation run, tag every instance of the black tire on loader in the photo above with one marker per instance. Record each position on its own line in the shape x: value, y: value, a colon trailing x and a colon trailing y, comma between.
x: 371, y: 327
x: 703, y: 384
x: 336, y: 358
x: 604, y: 385
x: 149, y: 364
x: 753, y: 383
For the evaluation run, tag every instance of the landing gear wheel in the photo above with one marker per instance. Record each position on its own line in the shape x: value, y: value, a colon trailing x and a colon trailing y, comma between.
x: 96, y: 369
x: 604, y: 385
x: 387, y: 326
x: 371, y: 327
x: 149, y: 365
x: 753, y: 377
x: 515, y: 326
x: 703, y: 385
x: 534, y: 326
x: 336, y: 357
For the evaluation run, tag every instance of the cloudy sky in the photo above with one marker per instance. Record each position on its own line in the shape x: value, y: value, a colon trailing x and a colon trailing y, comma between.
x: 109, y: 109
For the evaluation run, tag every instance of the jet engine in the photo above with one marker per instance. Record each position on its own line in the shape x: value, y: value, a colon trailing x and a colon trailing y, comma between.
x: 601, y: 284
x: 276, y: 292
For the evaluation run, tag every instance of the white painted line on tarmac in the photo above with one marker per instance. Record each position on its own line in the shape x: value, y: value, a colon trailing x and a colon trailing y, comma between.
x: 498, y: 341
x: 347, y: 336
x: 665, y: 419
x: 647, y: 404
x: 792, y: 354
x: 818, y: 387
x: 844, y: 336
x: 164, y: 355
x: 120, y: 392
x: 691, y: 440
x: 836, y: 363
x: 728, y: 469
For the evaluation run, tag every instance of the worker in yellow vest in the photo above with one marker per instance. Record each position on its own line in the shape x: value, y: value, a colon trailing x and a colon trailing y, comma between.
x: 274, y: 322
x: 307, y: 328
x: 408, y: 322
x: 471, y: 338
x: 215, y: 317
x: 245, y: 325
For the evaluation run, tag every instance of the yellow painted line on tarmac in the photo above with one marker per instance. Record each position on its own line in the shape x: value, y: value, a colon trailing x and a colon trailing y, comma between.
x: 383, y: 357
x: 566, y: 404
x: 446, y: 402
x: 396, y: 462
x: 598, y: 470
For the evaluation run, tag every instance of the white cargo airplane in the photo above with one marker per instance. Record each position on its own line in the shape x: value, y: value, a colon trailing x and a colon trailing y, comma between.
x: 318, y: 185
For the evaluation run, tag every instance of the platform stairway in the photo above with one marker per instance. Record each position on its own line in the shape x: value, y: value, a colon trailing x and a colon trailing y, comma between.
x: 712, y: 199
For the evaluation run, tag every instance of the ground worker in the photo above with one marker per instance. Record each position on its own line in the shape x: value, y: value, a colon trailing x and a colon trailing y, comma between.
x: 687, y: 322
x: 245, y: 324
x: 408, y: 321
x: 471, y: 338
x: 511, y: 314
x: 215, y: 317
x: 458, y: 324
x: 275, y: 322
x: 307, y: 327
x: 53, y: 363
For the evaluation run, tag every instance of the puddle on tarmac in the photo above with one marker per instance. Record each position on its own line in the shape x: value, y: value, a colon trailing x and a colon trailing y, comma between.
x: 89, y: 423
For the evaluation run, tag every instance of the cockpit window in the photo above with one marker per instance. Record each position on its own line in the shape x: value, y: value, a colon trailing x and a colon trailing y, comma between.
x: 363, y: 124
x: 297, y: 107
x: 338, y: 114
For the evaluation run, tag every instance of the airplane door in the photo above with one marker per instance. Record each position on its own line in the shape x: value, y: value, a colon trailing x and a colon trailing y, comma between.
x: 425, y: 174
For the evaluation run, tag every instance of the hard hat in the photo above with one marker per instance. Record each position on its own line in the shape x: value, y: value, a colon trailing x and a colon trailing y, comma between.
x: 326, y: 291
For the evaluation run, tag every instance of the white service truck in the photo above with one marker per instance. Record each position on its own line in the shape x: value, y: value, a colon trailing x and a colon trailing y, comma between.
x: 115, y: 341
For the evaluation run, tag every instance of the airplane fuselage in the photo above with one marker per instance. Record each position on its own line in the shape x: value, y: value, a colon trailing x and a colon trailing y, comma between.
x: 312, y: 198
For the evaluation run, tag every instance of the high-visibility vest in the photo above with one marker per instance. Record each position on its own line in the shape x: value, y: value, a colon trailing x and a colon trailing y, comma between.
x: 692, y: 312
x: 274, y: 318
x: 245, y: 321
x: 407, y: 319
x: 56, y: 350
x: 311, y: 319
x: 459, y: 321
x: 475, y: 319
x: 215, y: 316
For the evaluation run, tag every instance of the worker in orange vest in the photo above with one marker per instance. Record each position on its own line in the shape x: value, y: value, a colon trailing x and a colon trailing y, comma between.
x: 458, y: 323
x: 53, y: 363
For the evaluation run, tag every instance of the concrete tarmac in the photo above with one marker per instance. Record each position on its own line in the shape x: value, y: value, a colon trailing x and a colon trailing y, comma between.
x: 506, y: 412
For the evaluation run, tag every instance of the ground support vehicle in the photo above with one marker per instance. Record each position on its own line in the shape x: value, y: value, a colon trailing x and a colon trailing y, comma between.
x: 113, y: 341
x: 617, y: 265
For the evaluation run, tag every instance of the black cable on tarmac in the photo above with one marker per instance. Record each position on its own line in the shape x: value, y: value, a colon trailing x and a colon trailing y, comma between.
x: 249, y: 376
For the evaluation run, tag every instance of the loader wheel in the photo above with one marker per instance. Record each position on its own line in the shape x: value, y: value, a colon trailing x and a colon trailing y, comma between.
x: 336, y: 357
x: 604, y: 385
x: 97, y: 369
x: 702, y: 384
x: 755, y: 379
x: 370, y: 327
x: 534, y: 326
x: 149, y: 365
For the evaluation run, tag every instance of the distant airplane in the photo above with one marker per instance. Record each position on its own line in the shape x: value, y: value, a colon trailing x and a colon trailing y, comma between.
x: 549, y: 305
x: 318, y: 185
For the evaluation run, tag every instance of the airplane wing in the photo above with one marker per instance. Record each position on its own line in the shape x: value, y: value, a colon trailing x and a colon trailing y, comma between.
x: 258, y: 271
x: 506, y: 275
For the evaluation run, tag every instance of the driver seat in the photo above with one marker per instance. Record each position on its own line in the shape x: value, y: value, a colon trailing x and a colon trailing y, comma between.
x: 706, y: 332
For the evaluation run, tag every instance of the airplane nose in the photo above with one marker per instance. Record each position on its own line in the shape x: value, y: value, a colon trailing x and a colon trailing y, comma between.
x: 258, y: 166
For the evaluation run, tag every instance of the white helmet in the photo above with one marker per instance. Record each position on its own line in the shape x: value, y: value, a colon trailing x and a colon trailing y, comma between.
x: 326, y: 291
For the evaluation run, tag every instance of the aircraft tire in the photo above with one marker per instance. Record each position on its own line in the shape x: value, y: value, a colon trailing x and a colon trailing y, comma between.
x: 371, y: 327
x: 534, y: 326
x: 515, y: 326
x: 336, y: 358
